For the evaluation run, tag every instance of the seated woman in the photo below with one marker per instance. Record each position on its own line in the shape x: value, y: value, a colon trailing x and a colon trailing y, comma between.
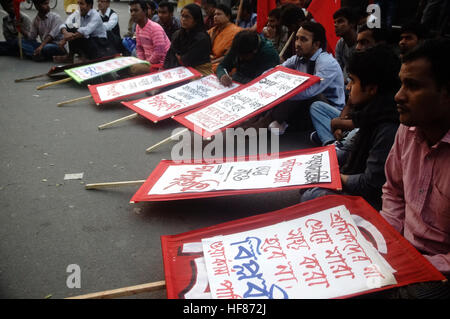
x: 222, y: 34
x: 191, y: 44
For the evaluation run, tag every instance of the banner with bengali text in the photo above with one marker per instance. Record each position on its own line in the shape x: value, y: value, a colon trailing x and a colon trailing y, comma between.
x: 331, y: 247
x: 91, y: 71
x: 251, y: 99
x: 180, y: 99
x: 115, y: 90
x: 246, y: 175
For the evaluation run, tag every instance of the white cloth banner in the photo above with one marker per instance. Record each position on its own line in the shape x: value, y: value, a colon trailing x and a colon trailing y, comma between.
x: 142, y: 83
x: 184, y: 96
x: 322, y: 255
x: 246, y: 101
x: 280, y: 172
x: 86, y: 72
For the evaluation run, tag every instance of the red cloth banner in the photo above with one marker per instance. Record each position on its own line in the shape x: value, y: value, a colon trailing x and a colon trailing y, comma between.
x: 181, y: 99
x: 189, y: 183
x: 251, y: 99
x: 184, y: 265
x: 322, y: 11
x: 116, y: 90
x: 262, y: 10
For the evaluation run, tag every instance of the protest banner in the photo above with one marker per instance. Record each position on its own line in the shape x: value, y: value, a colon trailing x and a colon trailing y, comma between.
x: 259, y: 95
x: 91, y: 71
x: 55, y: 70
x: 180, y: 99
x: 331, y: 247
x: 111, y: 91
x: 245, y: 175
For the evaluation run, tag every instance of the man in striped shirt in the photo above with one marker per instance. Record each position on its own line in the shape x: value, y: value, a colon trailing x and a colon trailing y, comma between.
x: 152, y: 42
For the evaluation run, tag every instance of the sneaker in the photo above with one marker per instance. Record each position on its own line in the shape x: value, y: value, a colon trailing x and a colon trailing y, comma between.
x: 314, y: 138
x: 277, y: 128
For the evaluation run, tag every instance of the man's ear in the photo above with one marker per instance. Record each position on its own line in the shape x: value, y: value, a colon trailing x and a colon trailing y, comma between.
x: 372, y: 89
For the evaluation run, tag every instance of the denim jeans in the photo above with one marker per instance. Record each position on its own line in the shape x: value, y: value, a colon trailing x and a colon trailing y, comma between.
x: 321, y: 116
x: 28, y: 46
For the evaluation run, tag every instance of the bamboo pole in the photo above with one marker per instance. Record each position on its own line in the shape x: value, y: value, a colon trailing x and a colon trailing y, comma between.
x: 19, y: 41
x: 148, y: 150
x: 287, y: 44
x: 30, y: 77
x: 122, y: 292
x: 74, y: 100
x: 53, y: 83
x: 122, y: 119
x: 239, y: 13
x: 113, y: 184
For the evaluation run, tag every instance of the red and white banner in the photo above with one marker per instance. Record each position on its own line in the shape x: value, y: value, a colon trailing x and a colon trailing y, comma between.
x: 181, y: 99
x: 331, y: 247
x: 259, y: 95
x: 115, y: 90
x: 246, y: 175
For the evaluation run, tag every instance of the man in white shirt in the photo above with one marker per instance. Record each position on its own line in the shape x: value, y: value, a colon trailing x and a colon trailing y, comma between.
x: 111, y: 23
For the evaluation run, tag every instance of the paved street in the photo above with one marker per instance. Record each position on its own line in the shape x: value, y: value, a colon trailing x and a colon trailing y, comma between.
x: 48, y: 223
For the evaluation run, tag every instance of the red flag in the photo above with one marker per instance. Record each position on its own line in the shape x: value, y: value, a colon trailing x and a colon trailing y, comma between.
x: 262, y: 11
x: 322, y: 11
x: 16, y: 4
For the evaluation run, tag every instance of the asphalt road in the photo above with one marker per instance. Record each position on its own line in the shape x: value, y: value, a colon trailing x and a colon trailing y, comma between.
x: 48, y: 223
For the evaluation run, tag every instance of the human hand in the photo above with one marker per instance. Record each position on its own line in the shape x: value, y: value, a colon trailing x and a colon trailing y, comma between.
x: 226, y: 80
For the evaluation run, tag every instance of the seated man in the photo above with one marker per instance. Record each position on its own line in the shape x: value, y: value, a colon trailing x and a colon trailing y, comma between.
x: 111, y: 23
x: 10, y: 46
x: 85, y: 33
x: 152, y: 43
x: 411, y: 35
x: 166, y: 19
x: 372, y: 86
x: 416, y: 196
x: 46, y: 26
x: 331, y: 124
x: 275, y: 31
x: 251, y: 55
x: 345, y: 22
x: 312, y: 59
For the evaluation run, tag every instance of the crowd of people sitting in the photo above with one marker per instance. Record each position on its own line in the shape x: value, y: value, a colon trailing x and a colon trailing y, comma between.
x: 384, y: 104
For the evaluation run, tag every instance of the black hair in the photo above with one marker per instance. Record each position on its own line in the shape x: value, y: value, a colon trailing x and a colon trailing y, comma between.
x: 276, y: 13
x: 196, y: 13
x: 38, y: 3
x: 378, y: 34
x: 168, y: 5
x: 151, y: 5
x: 318, y: 32
x: 141, y: 3
x: 435, y: 51
x: 226, y: 9
x: 347, y: 13
x: 378, y: 65
x: 213, y: 2
x: 291, y: 14
x: 245, y: 42
x: 90, y: 2
x: 415, y: 28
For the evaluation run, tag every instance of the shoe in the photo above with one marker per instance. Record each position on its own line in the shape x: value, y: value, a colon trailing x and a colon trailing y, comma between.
x: 277, y: 128
x: 314, y: 138
x: 63, y: 59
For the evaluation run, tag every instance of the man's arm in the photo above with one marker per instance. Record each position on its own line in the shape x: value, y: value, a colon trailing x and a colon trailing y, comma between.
x: 393, y: 209
x: 112, y: 22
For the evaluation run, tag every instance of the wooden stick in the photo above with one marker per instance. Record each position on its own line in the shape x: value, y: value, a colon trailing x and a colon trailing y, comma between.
x: 19, y: 41
x: 74, y: 100
x: 148, y: 150
x: 122, y: 119
x: 122, y: 292
x: 113, y: 184
x: 54, y: 83
x: 30, y: 77
x: 287, y: 44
